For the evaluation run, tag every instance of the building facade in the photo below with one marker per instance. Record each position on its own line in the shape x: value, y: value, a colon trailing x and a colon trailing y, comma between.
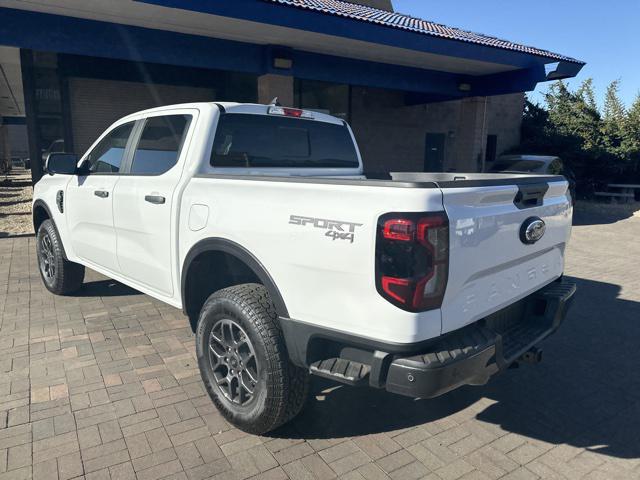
x: 419, y: 96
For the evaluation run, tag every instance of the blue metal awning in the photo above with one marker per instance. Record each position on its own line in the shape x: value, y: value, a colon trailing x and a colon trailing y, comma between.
x: 328, y: 40
x: 358, y: 22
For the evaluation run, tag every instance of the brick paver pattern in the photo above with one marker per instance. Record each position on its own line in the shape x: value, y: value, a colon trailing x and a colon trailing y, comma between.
x: 105, y: 385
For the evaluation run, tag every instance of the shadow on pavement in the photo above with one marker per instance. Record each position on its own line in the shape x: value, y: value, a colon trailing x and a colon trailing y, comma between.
x: 15, y: 183
x: 105, y: 288
x: 594, y: 213
x: 585, y: 393
x: 14, y: 235
x: 8, y: 203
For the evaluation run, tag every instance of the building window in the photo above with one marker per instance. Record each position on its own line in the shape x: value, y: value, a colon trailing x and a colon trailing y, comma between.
x: 325, y: 97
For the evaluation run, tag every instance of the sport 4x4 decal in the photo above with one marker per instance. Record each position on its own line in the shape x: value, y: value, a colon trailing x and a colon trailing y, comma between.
x: 336, y: 229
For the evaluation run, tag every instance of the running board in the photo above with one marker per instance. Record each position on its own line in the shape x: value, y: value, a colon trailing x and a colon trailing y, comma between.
x: 341, y: 370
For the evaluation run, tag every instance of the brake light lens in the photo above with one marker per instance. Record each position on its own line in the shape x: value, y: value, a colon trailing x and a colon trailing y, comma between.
x: 412, y: 259
x: 289, y: 112
x: 399, y: 229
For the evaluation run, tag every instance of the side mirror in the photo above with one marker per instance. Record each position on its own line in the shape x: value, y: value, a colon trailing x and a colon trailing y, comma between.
x: 62, y: 163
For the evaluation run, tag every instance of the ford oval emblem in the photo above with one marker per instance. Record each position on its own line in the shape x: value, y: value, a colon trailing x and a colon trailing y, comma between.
x: 532, y: 230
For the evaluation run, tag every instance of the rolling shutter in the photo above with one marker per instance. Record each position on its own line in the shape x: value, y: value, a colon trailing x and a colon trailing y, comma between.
x: 96, y: 104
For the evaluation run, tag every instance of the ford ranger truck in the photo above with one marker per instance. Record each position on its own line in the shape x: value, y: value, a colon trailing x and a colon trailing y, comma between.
x: 257, y: 221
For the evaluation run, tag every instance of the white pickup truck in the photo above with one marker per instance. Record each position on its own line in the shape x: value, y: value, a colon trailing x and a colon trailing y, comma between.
x: 256, y: 220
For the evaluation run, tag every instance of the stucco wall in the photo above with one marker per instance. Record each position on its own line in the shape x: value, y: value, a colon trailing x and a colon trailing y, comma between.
x: 392, y: 136
x: 504, y: 118
x: 18, y: 140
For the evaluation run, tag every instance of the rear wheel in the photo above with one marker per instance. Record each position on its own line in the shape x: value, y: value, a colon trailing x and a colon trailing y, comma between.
x: 59, y: 275
x: 244, y: 362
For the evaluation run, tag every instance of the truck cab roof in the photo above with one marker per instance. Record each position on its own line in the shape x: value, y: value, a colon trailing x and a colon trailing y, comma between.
x: 235, y: 107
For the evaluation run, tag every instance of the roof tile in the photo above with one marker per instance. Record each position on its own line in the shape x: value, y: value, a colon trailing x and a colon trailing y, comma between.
x: 405, y: 22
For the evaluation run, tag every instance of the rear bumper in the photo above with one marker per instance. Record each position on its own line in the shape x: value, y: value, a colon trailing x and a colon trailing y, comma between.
x: 470, y: 356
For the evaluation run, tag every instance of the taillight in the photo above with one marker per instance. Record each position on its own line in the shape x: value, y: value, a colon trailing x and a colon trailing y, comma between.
x: 412, y: 259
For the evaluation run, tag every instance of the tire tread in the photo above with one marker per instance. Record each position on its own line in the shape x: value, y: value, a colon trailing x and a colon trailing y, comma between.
x: 287, y: 384
x: 70, y: 275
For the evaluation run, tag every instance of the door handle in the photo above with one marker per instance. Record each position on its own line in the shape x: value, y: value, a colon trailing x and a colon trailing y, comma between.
x: 157, y: 199
x: 101, y: 193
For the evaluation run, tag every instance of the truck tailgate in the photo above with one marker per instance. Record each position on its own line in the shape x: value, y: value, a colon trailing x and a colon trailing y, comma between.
x: 490, y: 265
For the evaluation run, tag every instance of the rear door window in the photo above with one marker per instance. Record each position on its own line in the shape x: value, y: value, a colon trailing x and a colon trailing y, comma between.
x: 247, y: 140
x: 160, y: 143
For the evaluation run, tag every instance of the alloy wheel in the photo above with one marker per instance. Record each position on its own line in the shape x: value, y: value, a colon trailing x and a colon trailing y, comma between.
x: 233, y: 361
x: 47, y: 258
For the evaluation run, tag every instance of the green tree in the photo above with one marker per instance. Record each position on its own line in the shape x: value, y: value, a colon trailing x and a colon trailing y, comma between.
x: 614, y: 118
x: 631, y: 134
x: 587, y: 93
x: 559, y: 102
x: 613, y: 107
x: 575, y: 113
x: 599, y: 145
x: 587, y: 117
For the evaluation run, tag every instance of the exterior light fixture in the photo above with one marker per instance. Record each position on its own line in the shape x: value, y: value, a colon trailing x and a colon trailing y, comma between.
x: 282, y: 63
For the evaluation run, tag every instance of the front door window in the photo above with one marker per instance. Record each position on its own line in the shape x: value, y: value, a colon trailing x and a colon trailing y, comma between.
x: 106, y: 157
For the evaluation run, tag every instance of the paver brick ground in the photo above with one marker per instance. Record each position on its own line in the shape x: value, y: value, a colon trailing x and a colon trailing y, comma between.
x: 105, y: 385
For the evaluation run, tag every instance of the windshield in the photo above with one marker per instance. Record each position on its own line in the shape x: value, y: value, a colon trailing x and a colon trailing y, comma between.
x: 517, y: 166
x: 246, y: 140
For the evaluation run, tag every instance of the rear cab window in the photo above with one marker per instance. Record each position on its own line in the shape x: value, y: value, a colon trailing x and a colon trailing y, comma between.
x: 247, y: 140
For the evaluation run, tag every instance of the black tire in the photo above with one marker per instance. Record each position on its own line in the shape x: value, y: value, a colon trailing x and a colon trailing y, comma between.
x: 60, y: 276
x: 281, y: 388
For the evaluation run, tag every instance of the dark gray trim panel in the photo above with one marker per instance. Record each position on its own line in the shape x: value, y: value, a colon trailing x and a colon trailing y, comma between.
x: 298, y: 334
x: 132, y: 142
x: 517, y: 181
x: 406, y: 182
x: 319, y: 180
x: 232, y: 248
x: 464, y: 180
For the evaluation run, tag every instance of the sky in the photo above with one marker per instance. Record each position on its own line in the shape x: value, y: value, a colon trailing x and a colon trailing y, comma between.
x: 605, y: 34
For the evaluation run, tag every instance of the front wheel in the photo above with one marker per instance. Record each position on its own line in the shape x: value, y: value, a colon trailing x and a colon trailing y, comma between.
x: 60, y: 276
x: 243, y: 360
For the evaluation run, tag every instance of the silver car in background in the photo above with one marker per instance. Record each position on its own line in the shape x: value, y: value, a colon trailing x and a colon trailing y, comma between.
x: 538, y: 164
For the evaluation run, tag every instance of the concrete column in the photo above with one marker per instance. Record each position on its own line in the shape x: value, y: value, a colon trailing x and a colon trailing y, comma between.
x: 272, y: 85
x: 5, y: 150
x: 471, y: 135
